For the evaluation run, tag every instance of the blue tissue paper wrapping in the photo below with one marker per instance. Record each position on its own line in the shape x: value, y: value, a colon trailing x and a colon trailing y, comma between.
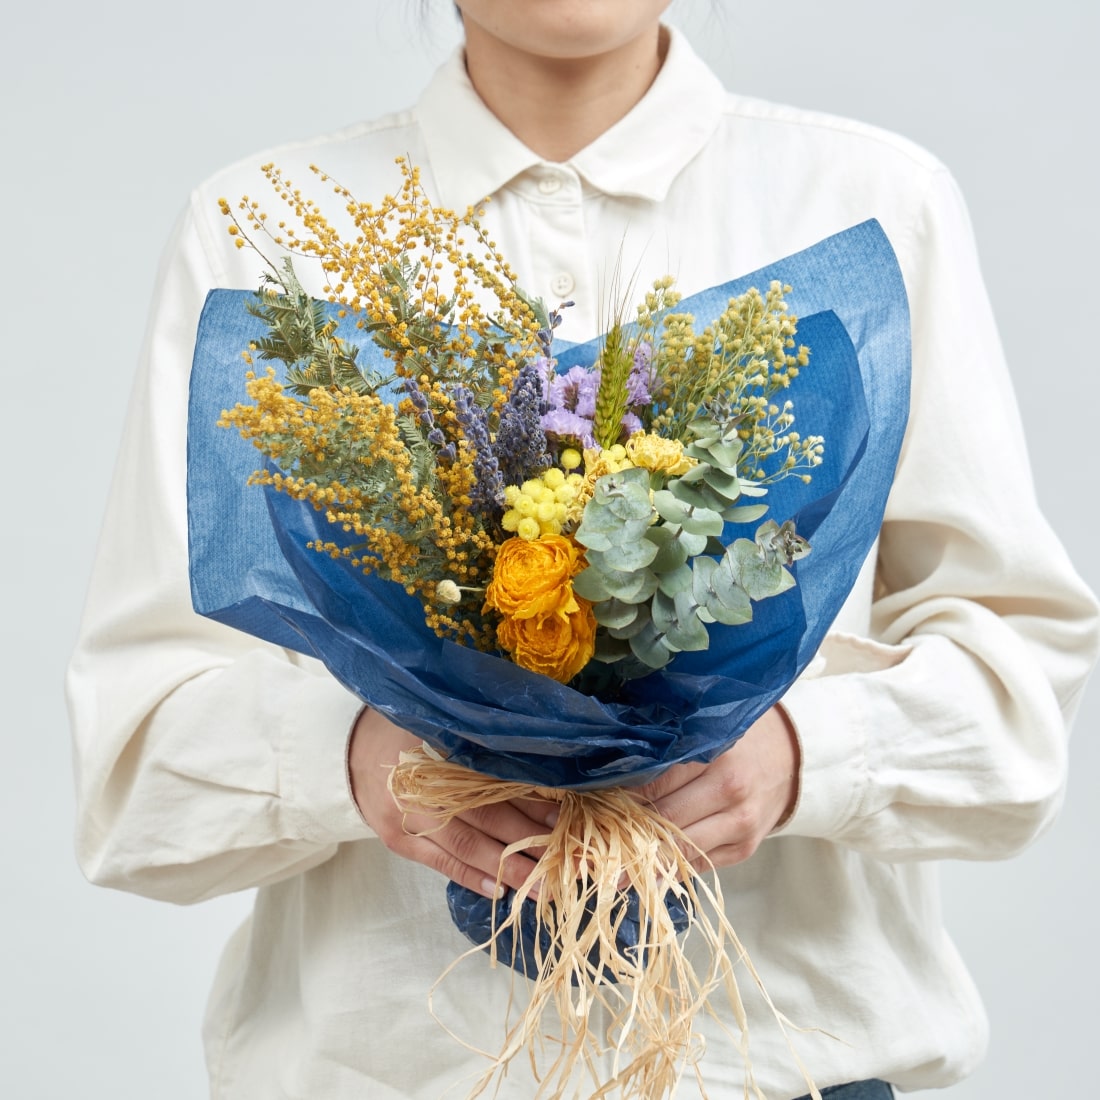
x: 250, y: 567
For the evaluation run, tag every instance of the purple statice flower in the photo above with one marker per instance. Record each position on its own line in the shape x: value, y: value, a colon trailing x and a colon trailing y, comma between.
x: 640, y: 384
x: 488, y: 489
x: 561, y: 424
x: 571, y: 398
x: 575, y: 391
x: 520, y: 443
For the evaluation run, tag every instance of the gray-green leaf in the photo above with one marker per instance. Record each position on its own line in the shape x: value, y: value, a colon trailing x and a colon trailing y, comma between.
x: 615, y: 613
x: 675, y: 580
x: 757, y: 577
x: 649, y: 647
x: 717, y: 590
x: 625, y: 558
x: 744, y: 513
x: 671, y: 553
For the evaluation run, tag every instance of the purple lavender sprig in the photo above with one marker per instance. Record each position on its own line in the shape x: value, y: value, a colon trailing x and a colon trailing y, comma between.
x: 487, y: 492
x: 424, y: 417
x: 521, y: 443
x: 546, y: 335
x: 419, y: 402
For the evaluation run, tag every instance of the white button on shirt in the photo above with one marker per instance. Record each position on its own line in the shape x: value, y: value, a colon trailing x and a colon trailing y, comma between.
x: 562, y: 284
x: 934, y: 727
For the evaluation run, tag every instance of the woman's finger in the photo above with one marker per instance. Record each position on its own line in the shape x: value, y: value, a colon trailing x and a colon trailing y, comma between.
x: 510, y: 822
x: 462, y: 852
x: 676, y: 777
x: 484, y: 857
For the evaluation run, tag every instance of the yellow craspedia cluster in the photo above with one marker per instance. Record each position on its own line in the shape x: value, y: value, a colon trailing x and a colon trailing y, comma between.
x: 540, y: 506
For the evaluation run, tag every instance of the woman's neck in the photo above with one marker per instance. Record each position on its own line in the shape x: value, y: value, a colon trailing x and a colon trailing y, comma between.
x: 557, y: 106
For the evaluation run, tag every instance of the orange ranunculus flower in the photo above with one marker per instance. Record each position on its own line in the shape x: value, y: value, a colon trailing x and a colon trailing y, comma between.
x: 533, y: 577
x: 557, y: 645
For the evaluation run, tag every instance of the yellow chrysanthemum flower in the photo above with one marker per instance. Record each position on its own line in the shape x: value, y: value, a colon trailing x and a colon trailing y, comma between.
x: 658, y: 455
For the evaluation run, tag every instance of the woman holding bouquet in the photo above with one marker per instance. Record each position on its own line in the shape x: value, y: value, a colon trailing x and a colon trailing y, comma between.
x: 931, y: 725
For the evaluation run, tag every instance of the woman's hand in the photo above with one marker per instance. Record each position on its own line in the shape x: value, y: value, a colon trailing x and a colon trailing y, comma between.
x: 728, y: 806
x: 467, y: 849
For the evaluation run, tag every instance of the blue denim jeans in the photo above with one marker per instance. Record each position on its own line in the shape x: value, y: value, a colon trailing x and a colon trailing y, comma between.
x: 857, y: 1090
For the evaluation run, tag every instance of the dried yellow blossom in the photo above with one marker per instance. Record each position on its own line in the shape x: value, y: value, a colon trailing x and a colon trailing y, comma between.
x: 657, y: 454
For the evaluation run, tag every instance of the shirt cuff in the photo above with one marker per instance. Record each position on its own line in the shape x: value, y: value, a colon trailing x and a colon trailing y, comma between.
x: 829, y: 707
x: 316, y: 731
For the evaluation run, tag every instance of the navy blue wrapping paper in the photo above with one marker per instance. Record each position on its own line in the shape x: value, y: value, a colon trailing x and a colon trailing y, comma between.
x: 250, y: 567
x: 476, y: 917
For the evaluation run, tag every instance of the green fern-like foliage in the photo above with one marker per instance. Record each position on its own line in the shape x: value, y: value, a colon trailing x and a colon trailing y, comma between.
x: 423, y: 454
x: 301, y: 336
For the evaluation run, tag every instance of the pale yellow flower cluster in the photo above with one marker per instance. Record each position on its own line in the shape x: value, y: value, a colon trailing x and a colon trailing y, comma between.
x: 733, y: 368
x: 540, y: 506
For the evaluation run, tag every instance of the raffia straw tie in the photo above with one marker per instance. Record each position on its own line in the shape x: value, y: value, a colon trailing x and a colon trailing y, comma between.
x: 652, y: 995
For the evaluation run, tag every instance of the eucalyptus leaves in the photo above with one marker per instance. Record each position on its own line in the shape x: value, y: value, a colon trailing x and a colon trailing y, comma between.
x: 658, y: 572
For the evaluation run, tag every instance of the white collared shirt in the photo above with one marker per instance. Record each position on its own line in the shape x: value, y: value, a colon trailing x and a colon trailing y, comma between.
x: 932, y: 726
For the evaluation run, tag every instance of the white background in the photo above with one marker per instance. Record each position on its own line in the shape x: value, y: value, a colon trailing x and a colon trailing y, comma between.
x: 112, y: 111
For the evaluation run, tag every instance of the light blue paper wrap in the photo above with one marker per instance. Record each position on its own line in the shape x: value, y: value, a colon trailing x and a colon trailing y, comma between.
x: 250, y: 567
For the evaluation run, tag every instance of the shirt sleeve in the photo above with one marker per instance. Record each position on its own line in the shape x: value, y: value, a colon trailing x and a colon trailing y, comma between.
x: 943, y: 732
x: 206, y: 761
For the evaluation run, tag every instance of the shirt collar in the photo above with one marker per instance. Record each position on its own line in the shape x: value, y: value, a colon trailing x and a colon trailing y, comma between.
x: 472, y: 154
